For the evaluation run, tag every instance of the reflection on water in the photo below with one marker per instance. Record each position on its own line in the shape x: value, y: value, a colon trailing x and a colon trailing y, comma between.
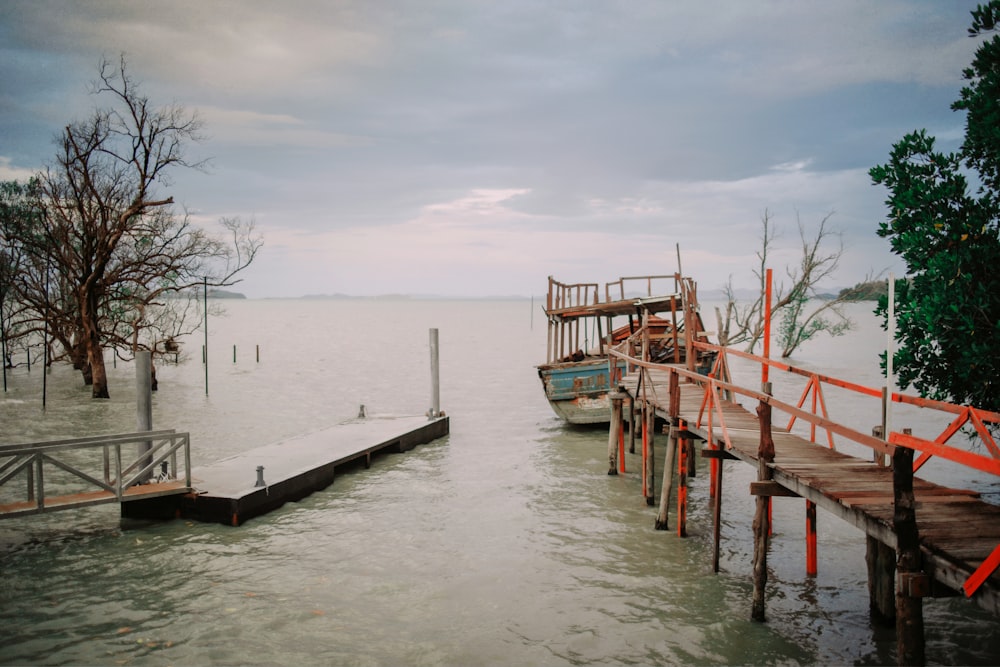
x: 503, y: 543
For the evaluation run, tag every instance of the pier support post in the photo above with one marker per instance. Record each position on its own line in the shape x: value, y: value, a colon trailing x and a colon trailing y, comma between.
x: 648, y: 458
x: 881, y: 561
x: 666, y: 486
x: 812, y: 548
x: 911, y: 582
x: 682, y: 481
x: 762, y: 515
x: 144, y: 405
x: 614, y: 432
x: 631, y: 427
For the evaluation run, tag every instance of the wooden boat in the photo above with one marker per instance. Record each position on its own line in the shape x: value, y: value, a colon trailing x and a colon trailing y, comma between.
x: 577, y: 373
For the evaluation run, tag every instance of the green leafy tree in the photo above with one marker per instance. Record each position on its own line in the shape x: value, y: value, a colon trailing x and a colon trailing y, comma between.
x: 946, y: 230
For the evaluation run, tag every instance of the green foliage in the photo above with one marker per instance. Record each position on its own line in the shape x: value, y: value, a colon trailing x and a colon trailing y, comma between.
x: 948, y: 310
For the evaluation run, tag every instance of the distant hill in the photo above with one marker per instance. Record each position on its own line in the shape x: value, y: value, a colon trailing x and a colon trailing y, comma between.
x: 223, y: 294
x: 866, y: 291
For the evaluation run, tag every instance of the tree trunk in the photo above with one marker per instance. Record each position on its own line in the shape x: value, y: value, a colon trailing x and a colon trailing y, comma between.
x: 95, y: 352
x: 99, y: 373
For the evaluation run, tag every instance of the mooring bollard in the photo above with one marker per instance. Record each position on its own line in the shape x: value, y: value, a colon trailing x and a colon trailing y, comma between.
x: 260, y: 476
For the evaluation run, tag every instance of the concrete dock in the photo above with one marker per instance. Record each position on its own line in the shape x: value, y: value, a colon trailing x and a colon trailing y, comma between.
x: 232, y: 490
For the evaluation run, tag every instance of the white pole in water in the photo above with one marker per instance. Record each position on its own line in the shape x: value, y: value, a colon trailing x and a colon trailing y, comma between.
x: 144, y: 403
x: 435, y: 410
x: 890, y: 351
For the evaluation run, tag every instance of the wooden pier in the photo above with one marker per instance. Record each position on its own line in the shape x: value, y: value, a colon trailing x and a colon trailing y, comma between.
x: 924, y: 539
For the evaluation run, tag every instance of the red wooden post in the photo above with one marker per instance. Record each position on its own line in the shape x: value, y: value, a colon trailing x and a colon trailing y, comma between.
x: 682, y: 492
x: 767, y: 326
x: 650, y: 461
x: 812, y: 566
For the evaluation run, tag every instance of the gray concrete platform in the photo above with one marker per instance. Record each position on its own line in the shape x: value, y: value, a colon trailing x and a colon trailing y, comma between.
x: 227, y: 491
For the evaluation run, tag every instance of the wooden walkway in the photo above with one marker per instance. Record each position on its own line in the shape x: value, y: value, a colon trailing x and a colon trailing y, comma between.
x: 957, y: 530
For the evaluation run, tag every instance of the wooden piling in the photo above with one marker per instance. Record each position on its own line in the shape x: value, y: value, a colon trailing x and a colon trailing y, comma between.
x: 613, y: 433
x: 762, y: 515
x: 682, y: 473
x: 812, y: 548
x: 717, y: 513
x: 911, y: 583
x: 662, y: 518
x: 631, y: 428
x: 650, y: 458
x: 881, y: 562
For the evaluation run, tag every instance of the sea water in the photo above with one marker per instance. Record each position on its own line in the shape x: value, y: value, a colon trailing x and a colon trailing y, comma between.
x: 503, y: 543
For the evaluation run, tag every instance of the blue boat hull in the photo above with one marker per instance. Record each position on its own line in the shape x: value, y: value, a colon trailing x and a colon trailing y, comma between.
x: 578, y: 391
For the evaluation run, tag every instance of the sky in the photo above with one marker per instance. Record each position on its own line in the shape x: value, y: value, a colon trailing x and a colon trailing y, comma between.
x: 464, y: 148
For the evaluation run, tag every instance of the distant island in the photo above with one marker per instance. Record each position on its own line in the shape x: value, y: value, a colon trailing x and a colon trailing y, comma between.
x: 223, y: 294
x: 866, y: 291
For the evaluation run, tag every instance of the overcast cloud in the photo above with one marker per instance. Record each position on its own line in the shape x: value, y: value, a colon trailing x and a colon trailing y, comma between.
x: 473, y: 148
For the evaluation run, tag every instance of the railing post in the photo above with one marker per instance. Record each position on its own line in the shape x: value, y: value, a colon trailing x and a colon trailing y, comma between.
x: 39, y: 480
x: 118, y: 471
x: 187, y: 460
x: 30, y: 470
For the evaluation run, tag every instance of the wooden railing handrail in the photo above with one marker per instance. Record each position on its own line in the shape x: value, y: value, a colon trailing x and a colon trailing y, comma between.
x: 963, y: 457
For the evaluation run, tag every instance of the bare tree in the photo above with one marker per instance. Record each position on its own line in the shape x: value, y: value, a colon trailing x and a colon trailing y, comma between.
x: 790, y: 306
x: 111, y: 235
x: 745, y: 324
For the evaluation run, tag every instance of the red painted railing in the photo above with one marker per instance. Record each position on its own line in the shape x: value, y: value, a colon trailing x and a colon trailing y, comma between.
x: 718, y: 382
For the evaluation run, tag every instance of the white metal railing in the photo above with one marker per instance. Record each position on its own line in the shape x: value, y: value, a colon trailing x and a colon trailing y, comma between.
x: 113, y: 471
